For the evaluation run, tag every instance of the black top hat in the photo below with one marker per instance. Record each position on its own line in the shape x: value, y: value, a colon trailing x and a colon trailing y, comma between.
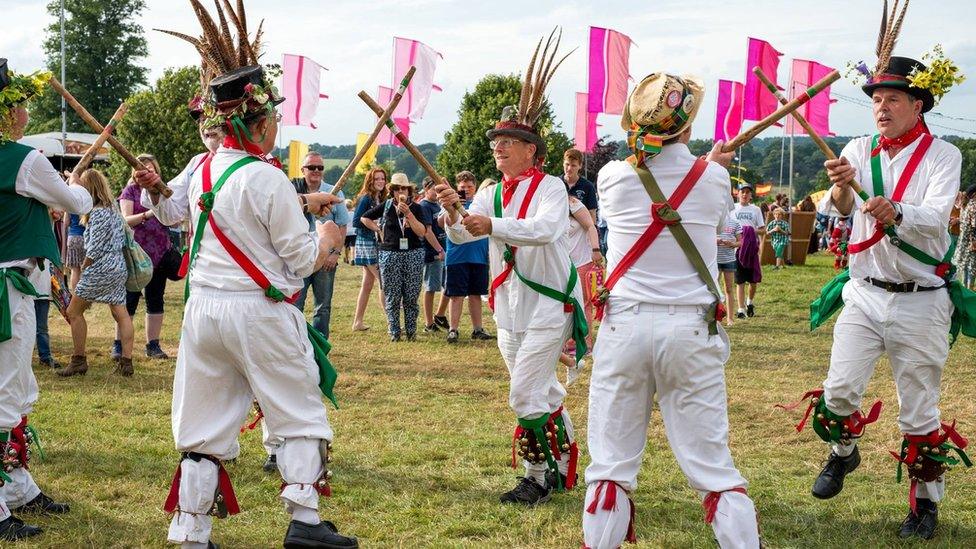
x: 231, y: 89
x: 4, y: 77
x: 896, y: 77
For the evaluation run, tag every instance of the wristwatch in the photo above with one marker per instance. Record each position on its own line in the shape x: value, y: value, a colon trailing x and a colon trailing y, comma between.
x: 898, y: 213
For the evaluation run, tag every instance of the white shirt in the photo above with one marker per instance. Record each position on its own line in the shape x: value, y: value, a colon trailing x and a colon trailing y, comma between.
x: 926, y: 206
x: 257, y: 210
x: 580, y: 251
x: 542, y: 256
x: 663, y: 274
x: 38, y: 179
x: 750, y: 214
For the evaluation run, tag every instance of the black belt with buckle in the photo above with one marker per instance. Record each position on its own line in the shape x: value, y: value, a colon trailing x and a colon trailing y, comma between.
x: 900, y: 287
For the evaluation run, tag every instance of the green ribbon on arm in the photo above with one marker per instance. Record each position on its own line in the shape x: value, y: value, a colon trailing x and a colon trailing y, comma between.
x: 22, y: 285
x: 830, y: 300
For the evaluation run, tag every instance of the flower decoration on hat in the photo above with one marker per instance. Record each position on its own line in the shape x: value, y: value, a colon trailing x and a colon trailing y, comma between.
x: 16, y: 89
x: 942, y: 73
x: 660, y: 108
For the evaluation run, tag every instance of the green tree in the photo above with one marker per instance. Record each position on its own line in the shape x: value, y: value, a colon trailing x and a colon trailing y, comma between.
x: 465, y: 145
x: 102, y: 44
x: 158, y: 123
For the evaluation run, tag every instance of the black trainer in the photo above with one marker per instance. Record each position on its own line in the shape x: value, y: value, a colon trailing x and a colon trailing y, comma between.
x: 740, y: 314
x: 431, y: 328
x: 44, y: 504
x: 480, y: 333
x: 453, y: 336
x: 394, y: 338
x: 527, y: 492
x: 750, y: 310
x: 411, y: 337
x: 13, y: 529
x: 441, y: 321
x: 270, y: 464
x: 323, y: 535
x: 922, y: 521
x: 831, y: 479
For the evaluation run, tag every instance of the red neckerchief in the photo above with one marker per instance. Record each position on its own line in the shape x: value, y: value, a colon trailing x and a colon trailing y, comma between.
x: 902, y: 141
x: 231, y: 142
x: 509, y: 185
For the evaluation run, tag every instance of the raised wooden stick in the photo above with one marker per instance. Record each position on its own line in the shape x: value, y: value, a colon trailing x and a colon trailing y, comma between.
x: 421, y: 159
x: 803, y: 122
x: 784, y: 110
x: 94, y: 125
x: 102, y: 137
x: 384, y: 118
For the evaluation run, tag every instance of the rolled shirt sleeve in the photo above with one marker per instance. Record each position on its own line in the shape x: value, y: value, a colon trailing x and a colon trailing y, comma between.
x: 288, y: 228
x: 480, y: 205
x: 42, y: 182
x: 548, y: 224
x: 173, y: 210
x: 930, y: 218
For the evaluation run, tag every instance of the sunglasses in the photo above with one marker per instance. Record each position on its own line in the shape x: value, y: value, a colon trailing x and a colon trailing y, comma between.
x: 314, y: 168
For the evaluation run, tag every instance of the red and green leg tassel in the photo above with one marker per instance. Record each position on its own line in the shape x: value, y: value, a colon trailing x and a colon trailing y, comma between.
x: 831, y: 427
x: 539, y: 440
x: 927, y: 457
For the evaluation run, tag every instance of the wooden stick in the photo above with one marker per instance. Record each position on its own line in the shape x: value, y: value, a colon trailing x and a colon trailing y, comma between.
x: 803, y: 122
x: 384, y: 118
x: 102, y: 137
x: 421, y: 159
x: 94, y: 125
x: 784, y: 110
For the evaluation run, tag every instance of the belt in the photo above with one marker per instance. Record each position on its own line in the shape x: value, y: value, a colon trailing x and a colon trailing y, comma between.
x: 643, y: 307
x: 900, y: 287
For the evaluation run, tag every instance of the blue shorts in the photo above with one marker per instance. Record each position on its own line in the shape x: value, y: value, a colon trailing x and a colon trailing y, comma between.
x: 466, y: 279
x: 434, y: 276
x: 727, y: 267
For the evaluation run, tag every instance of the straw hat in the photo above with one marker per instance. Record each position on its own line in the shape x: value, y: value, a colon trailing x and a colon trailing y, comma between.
x: 663, y: 105
x: 400, y: 180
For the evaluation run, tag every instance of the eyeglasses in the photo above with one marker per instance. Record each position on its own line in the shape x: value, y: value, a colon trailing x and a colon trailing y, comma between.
x: 503, y: 143
x: 314, y: 168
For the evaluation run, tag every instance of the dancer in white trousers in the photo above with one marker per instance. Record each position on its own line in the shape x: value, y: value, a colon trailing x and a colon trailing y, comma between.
x: 29, y: 186
x: 896, y: 294
x: 534, y: 292
x: 661, y: 334
x: 240, y: 341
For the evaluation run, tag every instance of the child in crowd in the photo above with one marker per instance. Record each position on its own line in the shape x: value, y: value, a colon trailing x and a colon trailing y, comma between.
x: 838, y: 243
x: 779, y: 231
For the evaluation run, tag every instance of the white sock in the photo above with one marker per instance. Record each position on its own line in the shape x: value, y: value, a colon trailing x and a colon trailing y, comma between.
x: 306, y: 515
x: 844, y: 450
x: 539, y: 476
x: 741, y: 310
x: 748, y: 301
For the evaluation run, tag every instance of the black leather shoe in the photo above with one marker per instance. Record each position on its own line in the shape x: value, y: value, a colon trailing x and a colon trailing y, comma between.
x: 212, y: 545
x: 270, y: 464
x: 44, y: 504
x: 831, y: 479
x: 922, y: 521
x: 527, y: 492
x: 13, y: 529
x: 750, y: 310
x: 322, y: 535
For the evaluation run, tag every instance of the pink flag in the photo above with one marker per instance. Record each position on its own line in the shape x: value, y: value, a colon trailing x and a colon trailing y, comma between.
x: 728, y: 117
x: 386, y: 137
x: 609, y: 70
x: 300, y: 86
x: 586, y: 124
x: 816, y: 110
x: 759, y: 102
x: 408, y: 52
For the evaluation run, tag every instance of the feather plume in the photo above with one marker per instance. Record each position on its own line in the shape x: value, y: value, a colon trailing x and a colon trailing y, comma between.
x: 883, y: 31
x: 242, y: 16
x: 196, y: 42
x: 256, y: 44
x: 891, y: 23
x: 537, y: 78
x: 211, y: 36
x: 226, y: 38
x: 244, y: 56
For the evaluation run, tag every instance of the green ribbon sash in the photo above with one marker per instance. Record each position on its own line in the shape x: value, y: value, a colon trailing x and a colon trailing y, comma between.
x: 22, y: 285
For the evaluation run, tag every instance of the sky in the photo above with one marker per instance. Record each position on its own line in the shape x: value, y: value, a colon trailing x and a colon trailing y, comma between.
x: 354, y: 41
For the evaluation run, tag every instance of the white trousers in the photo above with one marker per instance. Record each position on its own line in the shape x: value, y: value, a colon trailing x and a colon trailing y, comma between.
x: 912, y: 328
x: 236, y: 347
x: 534, y: 390
x: 643, y: 350
x: 18, y: 391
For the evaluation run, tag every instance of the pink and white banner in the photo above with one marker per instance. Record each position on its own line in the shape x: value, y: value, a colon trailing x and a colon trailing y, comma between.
x: 585, y: 127
x: 728, y: 116
x: 760, y: 102
x: 300, y: 86
x: 816, y: 110
x: 386, y: 137
x: 408, y: 52
x: 609, y: 70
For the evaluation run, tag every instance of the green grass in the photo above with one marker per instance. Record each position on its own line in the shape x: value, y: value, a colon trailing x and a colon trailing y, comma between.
x: 422, y: 444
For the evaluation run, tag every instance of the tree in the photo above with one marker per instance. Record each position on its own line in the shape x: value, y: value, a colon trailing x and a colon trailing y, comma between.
x: 102, y: 42
x: 465, y: 145
x: 158, y: 124
x: 603, y: 152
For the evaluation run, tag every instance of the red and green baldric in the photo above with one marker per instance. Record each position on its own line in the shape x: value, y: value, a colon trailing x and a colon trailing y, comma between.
x: 570, y: 303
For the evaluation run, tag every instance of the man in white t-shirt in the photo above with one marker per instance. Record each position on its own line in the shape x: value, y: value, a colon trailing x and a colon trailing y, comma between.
x: 747, y: 270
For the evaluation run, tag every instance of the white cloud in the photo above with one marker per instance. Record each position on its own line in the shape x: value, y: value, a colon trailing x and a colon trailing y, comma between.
x: 707, y: 38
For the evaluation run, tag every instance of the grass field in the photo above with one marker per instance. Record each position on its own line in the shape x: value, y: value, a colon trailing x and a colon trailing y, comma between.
x: 423, y: 434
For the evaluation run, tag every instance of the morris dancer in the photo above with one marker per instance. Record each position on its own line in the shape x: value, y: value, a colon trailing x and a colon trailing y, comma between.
x: 251, y: 248
x: 661, y: 333
x: 29, y: 185
x: 896, y: 300
x: 534, y: 291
